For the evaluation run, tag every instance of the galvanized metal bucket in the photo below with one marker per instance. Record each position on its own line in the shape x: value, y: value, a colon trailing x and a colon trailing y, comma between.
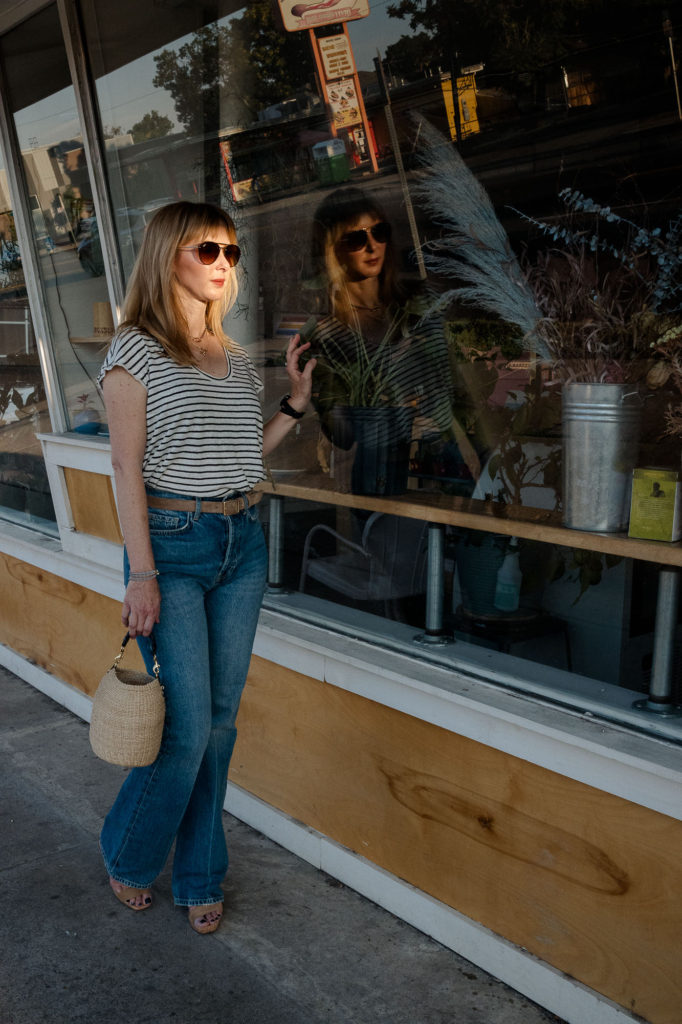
x: 600, y: 436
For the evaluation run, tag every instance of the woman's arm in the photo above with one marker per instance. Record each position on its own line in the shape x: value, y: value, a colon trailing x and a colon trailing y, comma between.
x: 276, y: 429
x: 126, y: 404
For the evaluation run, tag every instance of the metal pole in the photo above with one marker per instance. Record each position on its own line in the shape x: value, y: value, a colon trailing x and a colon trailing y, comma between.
x: 660, y: 699
x: 409, y: 209
x: 674, y: 70
x: 275, y: 545
x: 433, y: 631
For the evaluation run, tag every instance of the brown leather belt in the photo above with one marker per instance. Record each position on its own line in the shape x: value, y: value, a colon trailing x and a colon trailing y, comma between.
x: 228, y: 507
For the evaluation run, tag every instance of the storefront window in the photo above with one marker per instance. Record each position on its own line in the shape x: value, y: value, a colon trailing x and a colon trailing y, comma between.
x: 63, y: 216
x: 431, y: 420
x: 24, y: 490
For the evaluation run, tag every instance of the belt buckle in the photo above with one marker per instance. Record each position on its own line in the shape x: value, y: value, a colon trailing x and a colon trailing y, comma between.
x: 226, y: 502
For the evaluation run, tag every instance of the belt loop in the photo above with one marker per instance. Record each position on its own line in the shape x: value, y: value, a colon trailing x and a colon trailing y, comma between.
x: 246, y: 501
x: 197, y: 510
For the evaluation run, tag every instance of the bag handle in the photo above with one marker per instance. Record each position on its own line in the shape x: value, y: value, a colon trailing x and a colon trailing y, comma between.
x: 126, y: 638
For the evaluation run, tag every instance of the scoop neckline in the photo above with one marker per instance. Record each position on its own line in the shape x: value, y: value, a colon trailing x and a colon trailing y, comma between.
x: 225, y: 376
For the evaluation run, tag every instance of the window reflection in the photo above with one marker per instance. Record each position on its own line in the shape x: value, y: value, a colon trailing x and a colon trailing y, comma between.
x: 24, y: 490
x: 63, y: 215
x: 187, y: 115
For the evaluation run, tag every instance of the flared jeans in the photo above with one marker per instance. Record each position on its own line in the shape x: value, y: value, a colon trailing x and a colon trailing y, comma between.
x: 212, y: 578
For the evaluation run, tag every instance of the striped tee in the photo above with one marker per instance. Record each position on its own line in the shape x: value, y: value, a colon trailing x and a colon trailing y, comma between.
x: 204, y: 434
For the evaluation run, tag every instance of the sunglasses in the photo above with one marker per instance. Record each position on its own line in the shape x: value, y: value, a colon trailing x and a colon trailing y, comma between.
x: 208, y: 252
x: 354, y: 241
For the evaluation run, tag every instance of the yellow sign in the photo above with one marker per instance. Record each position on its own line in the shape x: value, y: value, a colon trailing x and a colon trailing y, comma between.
x: 314, y: 13
x: 468, y: 110
x: 336, y: 57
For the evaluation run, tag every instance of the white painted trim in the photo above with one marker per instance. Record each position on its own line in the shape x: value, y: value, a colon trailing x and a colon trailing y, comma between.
x: 59, y: 691
x: 527, y: 974
x: 92, y: 455
x: 572, y: 1001
x: 46, y: 553
x: 642, y: 769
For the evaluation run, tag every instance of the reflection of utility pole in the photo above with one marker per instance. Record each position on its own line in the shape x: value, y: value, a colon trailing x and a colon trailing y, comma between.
x: 668, y: 31
x: 399, y: 164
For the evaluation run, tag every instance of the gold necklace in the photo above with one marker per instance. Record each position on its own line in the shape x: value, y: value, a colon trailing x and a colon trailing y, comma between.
x: 201, y: 349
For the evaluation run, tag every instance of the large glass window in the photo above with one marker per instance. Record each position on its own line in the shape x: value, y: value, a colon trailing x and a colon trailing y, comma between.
x: 59, y: 196
x: 427, y: 491
x: 24, y: 490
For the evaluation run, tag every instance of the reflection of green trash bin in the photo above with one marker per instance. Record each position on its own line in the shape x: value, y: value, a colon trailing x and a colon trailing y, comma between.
x: 331, y: 161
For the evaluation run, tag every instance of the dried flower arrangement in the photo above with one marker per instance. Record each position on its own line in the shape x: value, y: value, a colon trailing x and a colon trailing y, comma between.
x: 598, y: 303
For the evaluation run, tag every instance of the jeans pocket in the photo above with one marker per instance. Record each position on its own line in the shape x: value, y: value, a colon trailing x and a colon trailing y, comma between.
x: 252, y: 513
x: 168, y: 522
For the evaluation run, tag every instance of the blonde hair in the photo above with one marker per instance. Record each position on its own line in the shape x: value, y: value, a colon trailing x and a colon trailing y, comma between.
x: 152, y: 302
x: 335, y: 216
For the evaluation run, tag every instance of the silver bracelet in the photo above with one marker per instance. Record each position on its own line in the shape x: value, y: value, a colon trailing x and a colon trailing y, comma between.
x: 147, y: 574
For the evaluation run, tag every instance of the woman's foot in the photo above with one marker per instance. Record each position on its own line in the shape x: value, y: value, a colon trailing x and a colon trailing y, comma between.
x: 206, y: 917
x: 136, y: 899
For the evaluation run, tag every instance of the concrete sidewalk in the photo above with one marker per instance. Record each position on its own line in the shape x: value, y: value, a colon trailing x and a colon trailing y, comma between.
x: 296, y: 947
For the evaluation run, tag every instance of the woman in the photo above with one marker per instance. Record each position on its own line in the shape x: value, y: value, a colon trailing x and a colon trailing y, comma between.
x: 187, y: 445
x: 378, y: 325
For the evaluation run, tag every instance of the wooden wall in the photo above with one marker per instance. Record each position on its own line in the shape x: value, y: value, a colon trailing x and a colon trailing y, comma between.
x: 588, y: 882
x: 69, y: 631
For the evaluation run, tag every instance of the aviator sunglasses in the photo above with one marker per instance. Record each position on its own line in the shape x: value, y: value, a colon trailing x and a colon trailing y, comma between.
x: 354, y: 241
x: 208, y: 252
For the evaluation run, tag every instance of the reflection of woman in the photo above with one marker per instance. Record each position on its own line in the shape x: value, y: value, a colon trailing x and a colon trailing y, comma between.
x: 376, y: 322
x: 187, y: 446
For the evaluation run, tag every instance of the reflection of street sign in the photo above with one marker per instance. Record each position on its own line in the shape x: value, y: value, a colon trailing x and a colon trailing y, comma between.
x: 336, y: 57
x: 297, y: 15
x: 343, y: 100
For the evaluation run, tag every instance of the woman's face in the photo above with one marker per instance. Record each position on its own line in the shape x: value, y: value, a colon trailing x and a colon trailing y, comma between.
x: 367, y: 261
x: 199, y: 282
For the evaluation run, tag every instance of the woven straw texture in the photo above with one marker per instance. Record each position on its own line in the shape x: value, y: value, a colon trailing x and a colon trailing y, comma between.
x: 127, y: 718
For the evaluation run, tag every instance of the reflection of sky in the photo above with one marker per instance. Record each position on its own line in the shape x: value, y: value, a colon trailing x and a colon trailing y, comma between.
x: 376, y: 31
x: 127, y: 94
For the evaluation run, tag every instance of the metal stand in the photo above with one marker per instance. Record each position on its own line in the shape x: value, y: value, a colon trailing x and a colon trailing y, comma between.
x: 434, y: 632
x: 660, y: 699
x: 275, y: 586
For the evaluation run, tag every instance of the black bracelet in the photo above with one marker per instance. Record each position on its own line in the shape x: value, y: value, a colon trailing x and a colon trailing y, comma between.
x: 288, y: 410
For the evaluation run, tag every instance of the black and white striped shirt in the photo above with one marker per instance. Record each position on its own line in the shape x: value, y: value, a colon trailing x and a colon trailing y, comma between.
x: 204, y: 434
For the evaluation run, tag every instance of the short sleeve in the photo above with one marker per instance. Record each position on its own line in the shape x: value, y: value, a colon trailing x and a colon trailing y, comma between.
x: 128, y: 349
x: 251, y: 371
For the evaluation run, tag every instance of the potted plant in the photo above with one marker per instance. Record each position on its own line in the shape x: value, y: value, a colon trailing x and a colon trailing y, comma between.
x: 361, y: 406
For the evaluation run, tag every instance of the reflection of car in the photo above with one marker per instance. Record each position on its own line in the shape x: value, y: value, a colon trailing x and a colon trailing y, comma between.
x: 89, y: 247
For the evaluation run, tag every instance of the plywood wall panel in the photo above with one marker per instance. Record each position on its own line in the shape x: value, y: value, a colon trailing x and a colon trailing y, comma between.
x: 69, y: 631
x: 93, y: 505
x: 585, y: 880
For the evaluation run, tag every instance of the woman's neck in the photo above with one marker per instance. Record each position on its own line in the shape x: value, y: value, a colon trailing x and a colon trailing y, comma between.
x: 364, y: 293
x: 195, y: 317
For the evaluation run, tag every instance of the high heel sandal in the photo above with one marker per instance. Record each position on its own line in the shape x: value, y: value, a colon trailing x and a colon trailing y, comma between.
x: 197, y: 914
x: 125, y: 894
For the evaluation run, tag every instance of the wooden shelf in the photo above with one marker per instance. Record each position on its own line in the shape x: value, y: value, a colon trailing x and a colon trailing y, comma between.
x: 488, y: 516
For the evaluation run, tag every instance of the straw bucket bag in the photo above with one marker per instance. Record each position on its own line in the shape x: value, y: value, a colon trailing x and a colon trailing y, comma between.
x: 128, y: 712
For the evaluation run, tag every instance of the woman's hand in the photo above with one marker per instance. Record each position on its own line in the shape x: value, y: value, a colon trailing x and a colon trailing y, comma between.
x: 300, y: 379
x: 141, y: 607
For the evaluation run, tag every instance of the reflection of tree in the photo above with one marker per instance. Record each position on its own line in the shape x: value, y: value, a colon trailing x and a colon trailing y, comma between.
x: 524, y: 35
x: 152, y: 126
x: 226, y: 73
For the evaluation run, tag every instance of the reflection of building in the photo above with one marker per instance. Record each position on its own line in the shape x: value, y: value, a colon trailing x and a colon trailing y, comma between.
x: 499, y: 791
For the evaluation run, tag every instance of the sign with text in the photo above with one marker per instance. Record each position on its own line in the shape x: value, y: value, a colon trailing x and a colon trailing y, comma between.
x: 314, y: 13
x: 343, y: 99
x: 337, y: 57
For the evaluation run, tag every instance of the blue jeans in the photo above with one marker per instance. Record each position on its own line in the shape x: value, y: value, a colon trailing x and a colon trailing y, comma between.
x: 212, y: 578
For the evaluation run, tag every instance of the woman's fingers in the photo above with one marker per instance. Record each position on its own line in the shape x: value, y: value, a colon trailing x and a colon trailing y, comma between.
x: 141, y: 607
